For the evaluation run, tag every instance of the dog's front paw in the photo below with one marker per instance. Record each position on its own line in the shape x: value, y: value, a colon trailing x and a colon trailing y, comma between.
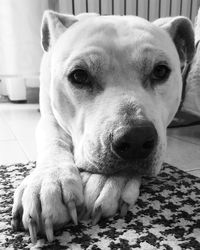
x: 104, y: 196
x: 47, y: 199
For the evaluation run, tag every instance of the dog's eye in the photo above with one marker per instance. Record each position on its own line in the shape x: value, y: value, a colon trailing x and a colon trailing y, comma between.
x: 80, y: 77
x: 160, y: 73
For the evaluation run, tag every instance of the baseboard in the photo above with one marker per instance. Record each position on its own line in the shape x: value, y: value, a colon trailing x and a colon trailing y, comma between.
x: 20, y: 90
x: 32, y: 94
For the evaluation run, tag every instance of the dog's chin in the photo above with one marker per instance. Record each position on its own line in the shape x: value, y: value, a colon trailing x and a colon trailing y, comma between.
x: 144, y: 167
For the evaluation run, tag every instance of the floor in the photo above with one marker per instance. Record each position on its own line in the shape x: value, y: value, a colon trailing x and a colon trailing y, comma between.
x: 17, y: 139
x: 17, y: 132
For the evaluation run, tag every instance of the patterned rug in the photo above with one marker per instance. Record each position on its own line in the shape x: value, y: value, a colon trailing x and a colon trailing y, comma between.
x: 166, y: 216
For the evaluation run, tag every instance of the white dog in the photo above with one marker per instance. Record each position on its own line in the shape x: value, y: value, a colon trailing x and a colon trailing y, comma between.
x: 110, y: 85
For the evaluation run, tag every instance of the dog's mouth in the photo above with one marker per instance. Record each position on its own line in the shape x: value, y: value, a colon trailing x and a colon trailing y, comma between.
x: 124, y: 160
x: 116, y: 167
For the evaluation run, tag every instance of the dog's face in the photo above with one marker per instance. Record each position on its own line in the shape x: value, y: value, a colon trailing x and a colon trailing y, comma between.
x: 115, y: 86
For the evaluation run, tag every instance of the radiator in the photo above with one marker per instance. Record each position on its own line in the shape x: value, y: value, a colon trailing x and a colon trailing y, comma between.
x: 149, y: 9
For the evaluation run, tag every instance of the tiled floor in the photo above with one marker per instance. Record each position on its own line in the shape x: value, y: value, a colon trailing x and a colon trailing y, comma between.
x: 17, y: 139
x: 17, y: 132
x: 183, y: 149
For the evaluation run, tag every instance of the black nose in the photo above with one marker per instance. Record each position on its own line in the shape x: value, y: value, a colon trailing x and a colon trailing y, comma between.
x: 135, y: 142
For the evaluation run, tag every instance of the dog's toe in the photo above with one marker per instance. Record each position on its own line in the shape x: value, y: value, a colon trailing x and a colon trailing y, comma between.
x: 102, y: 195
x: 93, y: 186
x: 17, y: 209
x: 109, y: 197
x: 131, y: 191
x: 96, y: 215
x: 123, y: 208
x: 32, y: 227
x: 31, y: 207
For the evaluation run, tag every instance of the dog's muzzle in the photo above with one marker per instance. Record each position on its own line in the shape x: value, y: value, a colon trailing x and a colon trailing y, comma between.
x: 130, y: 149
x: 134, y: 142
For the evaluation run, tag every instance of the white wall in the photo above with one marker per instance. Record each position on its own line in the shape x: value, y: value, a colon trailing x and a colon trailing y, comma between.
x: 20, y: 50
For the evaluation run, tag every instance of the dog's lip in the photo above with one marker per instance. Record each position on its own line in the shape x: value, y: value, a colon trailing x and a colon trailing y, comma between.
x: 132, y: 171
x: 142, y: 167
x: 128, y: 170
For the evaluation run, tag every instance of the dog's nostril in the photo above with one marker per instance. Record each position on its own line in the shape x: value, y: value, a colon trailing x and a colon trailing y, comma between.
x: 136, y: 142
x: 123, y: 147
x: 149, y: 144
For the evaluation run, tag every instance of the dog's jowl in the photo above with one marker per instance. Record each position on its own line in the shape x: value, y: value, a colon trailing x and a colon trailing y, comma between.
x: 110, y: 85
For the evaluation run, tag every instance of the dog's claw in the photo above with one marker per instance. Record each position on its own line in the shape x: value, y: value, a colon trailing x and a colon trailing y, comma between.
x: 32, y: 230
x: 96, y: 216
x: 72, y: 212
x: 82, y: 212
x: 86, y: 216
x: 15, y: 223
x: 16, y: 219
x: 124, y: 209
x: 49, y: 230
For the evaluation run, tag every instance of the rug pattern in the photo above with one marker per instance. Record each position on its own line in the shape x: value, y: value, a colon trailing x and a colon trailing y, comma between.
x: 166, y: 216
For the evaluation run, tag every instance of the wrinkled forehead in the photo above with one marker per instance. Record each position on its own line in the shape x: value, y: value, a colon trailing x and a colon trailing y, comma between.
x: 114, y: 35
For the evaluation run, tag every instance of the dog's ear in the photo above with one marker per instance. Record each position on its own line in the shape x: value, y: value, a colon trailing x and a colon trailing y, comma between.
x: 53, y: 25
x: 181, y: 31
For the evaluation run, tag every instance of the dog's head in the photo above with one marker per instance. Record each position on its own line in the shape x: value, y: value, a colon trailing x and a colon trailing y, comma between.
x: 116, y: 85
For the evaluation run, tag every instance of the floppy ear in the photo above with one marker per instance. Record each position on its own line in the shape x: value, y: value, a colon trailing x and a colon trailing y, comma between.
x: 181, y: 31
x: 53, y: 25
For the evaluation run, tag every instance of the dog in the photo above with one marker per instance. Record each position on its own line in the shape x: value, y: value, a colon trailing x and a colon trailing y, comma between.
x: 110, y: 85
